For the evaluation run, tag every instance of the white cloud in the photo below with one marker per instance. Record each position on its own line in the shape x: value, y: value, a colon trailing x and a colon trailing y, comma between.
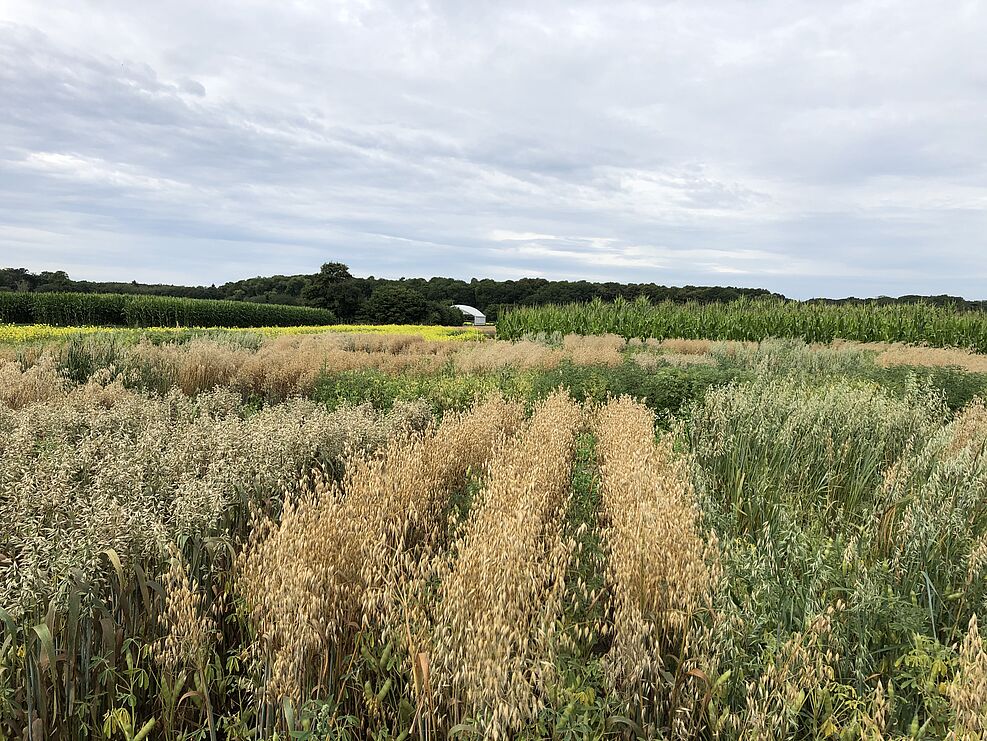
x: 506, y: 235
x: 808, y: 148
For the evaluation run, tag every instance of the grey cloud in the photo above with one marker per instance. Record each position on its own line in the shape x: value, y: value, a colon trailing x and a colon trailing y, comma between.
x: 810, y: 149
x: 193, y: 88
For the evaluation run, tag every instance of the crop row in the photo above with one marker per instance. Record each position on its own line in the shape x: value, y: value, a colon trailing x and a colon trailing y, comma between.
x: 88, y: 309
x: 755, y: 320
x: 801, y: 553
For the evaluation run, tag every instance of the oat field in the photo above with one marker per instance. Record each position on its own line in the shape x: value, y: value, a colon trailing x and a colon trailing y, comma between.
x: 300, y: 534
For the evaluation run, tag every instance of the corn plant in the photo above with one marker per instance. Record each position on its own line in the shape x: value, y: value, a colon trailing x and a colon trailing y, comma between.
x: 754, y: 320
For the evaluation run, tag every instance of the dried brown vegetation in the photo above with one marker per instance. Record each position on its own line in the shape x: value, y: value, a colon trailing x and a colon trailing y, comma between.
x: 343, y: 558
x: 283, y: 366
x: 528, y: 354
x: 658, y: 562
x: 493, y: 355
x: 891, y: 355
x: 39, y: 382
x: 603, y: 349
x: 189, y: 547
x: 968, y: 692
x: 685, y: 347
x: 501, y: 591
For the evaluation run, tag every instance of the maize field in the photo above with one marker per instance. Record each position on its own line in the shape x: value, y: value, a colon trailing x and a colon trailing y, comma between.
x: 755, y: 320
x: 132, y: 310
x: 266, y: 534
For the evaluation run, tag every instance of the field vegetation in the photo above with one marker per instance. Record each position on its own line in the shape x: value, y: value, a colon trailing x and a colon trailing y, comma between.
x: 755, y: 320
x: 36, y: 333
x: 356, y: 299
x: 126, y: 310
x: 346, y: 535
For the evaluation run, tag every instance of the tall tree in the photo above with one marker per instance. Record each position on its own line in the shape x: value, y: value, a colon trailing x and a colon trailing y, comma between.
x: 335, y: 289
x: 395, y: 304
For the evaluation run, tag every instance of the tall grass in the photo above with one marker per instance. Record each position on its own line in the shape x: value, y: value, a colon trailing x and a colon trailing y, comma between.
x: 851, y: 527
x: 106, y: 468
x: 500, y: 599
x: 749, y: 319
x: 658, y: 568
x: 86, y: 309
x: 818, y: 449
x: 189, y: 548
x: 99, y: 487
x: 334, y: 574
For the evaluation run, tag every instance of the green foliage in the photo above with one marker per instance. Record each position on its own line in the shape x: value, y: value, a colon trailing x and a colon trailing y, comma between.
x: 395, y: 304
x: 956, y: 386
x: 847, y: 505
x: 101, y: 637
x: 819, y: 448
x: 87, y: 309
x: 333, y: 288
x: 445, y: 390
x: 17, y: 308
x: 847, y: 517
x: 441, y: 314
x: 792, y: 358
x: 754, y: 320
x: 664, y: 389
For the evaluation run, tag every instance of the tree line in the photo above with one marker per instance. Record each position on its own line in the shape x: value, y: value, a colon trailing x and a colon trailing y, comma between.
x: 370, y: 299
x: 418, y: 300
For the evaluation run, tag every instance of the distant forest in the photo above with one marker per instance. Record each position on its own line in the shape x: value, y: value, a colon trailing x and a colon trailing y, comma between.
x: 417, y: 300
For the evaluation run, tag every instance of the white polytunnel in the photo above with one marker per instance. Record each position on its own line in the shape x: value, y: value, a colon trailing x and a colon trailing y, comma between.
x: 475, y: 314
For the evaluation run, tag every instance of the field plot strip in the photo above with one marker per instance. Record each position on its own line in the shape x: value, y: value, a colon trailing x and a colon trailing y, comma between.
x: 657, y: 561
x: 499, y: 601
x: 334, y: 567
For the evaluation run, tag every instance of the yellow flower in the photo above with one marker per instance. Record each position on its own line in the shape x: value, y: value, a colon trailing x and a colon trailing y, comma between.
x: 16, y: 333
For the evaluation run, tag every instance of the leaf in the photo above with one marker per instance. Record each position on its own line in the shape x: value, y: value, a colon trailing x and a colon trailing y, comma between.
x: 463, y: 728
x: 9, y: 622
x: 699, y: 674
x: 114, y: 559
x: 191, y: 694
x: 620, y: 720
x: 289, y: 713
x: 142, y: 584
x: 382, y: 693
x: 107, y: 628
x: 49, y: 646
x: 75, y: 607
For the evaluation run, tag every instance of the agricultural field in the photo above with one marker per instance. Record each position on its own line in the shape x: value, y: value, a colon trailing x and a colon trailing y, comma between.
x: 755, y: 320
x: 427, y: 534
x: 131, y: 310
x: 30, y: 333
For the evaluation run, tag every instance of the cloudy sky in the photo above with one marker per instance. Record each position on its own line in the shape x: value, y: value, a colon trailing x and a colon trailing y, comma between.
x: 813, y: 148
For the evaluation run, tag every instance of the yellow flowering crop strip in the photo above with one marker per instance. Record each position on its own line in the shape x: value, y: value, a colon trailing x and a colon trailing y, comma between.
x: 17, y: 333
x: 35, y: 332
x: 428, y: 332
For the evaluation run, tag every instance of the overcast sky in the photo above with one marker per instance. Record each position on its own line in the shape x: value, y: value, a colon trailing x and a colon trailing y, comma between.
x: 812, y: 148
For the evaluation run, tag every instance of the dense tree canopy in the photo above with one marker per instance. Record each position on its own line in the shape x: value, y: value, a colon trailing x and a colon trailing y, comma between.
x: 416, y: 299
x: 395, y: 304
x: 335, y: 289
